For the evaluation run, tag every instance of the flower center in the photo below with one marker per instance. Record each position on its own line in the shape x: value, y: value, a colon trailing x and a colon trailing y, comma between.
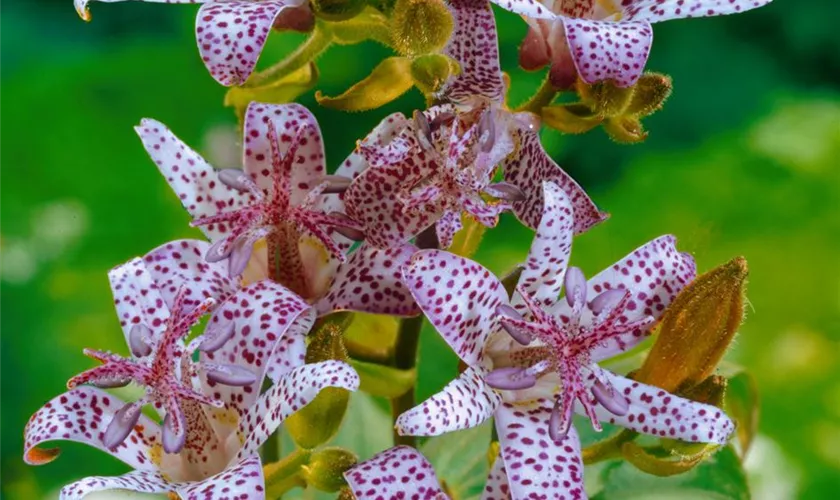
x: 271, y: 212
x: 163, y: 365
x: 562, y: 345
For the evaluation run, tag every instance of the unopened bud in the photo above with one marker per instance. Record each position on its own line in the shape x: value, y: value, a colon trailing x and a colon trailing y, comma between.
x: 650, y: 93
x: 625, y: 129
x: 420, y: 26
x: 326, y: 468
x: 607, y: 99
x: 697, y: 328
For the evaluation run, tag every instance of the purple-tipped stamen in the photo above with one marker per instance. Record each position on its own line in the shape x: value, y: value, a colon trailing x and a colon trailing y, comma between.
x: 506, y: 191
x: 518, y: 334
x: 235, y: 179
x: 336, y: 184
x: 218, y: 251
x: 172, y: 440
x: 110, y: 383
x: 575, y: 286
x: 558, y: 423
x: 121, y: 425
x: 422, y: 128
x: 614, y: 402
x: 239, y: 256
x: 607, y: 300
x: 347, y: 231
x: 215, y: 338
x: 486, y: 131
x: 233, y: 375
x: 138, y: 340
x: 511, y: 378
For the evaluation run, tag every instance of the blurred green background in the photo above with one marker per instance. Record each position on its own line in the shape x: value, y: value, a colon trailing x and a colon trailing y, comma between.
x: 743, y: 160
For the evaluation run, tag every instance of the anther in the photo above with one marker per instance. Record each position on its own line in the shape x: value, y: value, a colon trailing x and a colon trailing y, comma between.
x: 215, y: 253
x: 215, y: 338
x: 575, y: 285
x: 510, y: 378
x: 607, y: 300
x: 121, y: 425
x: 235, y: 179
x: 558, y: 423
x: 233, y: 375
x: 518, y: 334
x: 336, y: 184
x: 138, y: 340
x: 423, y: 129
x: 348, y: 231
x: 172, y: 440
x: 239, y: 256
x: 506, y: 191
x: 614, y: 402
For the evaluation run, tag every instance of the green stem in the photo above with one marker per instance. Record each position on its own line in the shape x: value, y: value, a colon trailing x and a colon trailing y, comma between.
x: 545, y: 94
x: 405, y: 349
x: 308, y: 51
x: 285, y: 474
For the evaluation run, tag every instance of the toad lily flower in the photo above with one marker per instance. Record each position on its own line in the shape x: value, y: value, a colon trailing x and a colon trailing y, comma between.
x: 430, y: 169
x: 389, y: 474
x: 533, y: 360
x: 603, y: 39
x: 215, y: 418
x: 283, y: 197
x: 230, y: 33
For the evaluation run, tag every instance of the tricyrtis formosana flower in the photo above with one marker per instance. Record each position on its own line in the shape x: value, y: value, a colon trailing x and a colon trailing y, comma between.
x: 390, y: 474
x: 603, y: 39
x: 533, y: 360
x: 281, y: 216
x: 430, y: 169
x: 214, y: 418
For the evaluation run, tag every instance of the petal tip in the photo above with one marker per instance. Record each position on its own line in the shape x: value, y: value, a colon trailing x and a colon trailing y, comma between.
x: 41, y: 456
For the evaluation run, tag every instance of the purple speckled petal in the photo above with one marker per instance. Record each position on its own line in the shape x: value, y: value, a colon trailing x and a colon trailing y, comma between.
x: 81, y: 415
x: 659, y: 413
x: 606, y: 50
x: 497, y: 487
x: 137, y: 298
x: 535, y: 462
x: 231, y: 35
x: 459, y: 297
x: 656, y: 11
x: 292, y: 392
x: 465, y: 402
x: 139, y: 481
x: 242, y: 481
x: 393, y: 472
x: 194, y: 181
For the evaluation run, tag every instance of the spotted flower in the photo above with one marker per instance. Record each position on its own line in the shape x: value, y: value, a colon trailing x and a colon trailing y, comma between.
x: 429, y: 169
x: 391, y: 473
x: 231, y: 33
x: 282, y: 217
x: 533, y: 360
x: 214, y: 417
x: 603, y: 39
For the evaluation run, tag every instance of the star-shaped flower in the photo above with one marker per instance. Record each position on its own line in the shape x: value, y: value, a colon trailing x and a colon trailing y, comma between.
x: 214, y: 417
x: 430, y: 169
x: 390, y: 474
x: 282, y: 217
x: 230, y: 33
x: 532, y: 360
x: 603, y: 39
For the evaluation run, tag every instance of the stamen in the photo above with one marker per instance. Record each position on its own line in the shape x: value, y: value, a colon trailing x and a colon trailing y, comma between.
x: 348, y: 231
x: 121, y: 425
x: 558, y: 424
x: 614, y: 402
x: 506, y: 191
x: 233, y: 375
x: 440, y: 120
x: 607, y: 300
x: 510, y: 378
x: 335, y: 184
x: 173, y: 440
x: 239, y: 256
x: 486, y: 131
x: 217, y: 337
x: 138, y: 340
x: 423, y: 129
x: 218, y: 251
x: 110, y: 383
x: 518, y: 334
x: 235, y: 179
x: 575, y: 286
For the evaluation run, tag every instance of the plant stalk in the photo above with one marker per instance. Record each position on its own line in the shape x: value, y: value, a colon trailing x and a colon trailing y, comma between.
x: 542, y: 98
x: 319, y: 40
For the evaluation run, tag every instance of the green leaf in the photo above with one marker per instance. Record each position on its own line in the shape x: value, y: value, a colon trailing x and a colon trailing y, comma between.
x: 741, y: 403
x: 384, y: 381
x: 389, y: 80
x: 721, y: 477
x: 460, y: 460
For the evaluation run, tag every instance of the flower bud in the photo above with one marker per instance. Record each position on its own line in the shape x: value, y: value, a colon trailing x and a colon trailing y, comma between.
x: 326, y: 468
x: 337, y: 10
x: 420, y: 26
x: 625, y: 129
x: 650, y: 94
x: 605, y: 98
x: 431, y: 71
x: 317, y: 422
x: 697, y: 328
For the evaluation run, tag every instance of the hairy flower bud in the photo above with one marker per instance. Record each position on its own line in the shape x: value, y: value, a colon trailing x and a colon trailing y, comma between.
x: 431, y: 71
x: 326, y: 468
x: 650, y: 94
x: 420, y: 26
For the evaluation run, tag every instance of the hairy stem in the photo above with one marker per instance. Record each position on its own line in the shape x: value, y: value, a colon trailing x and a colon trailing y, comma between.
x: 405, y: 350
x: 607, y: 449
x: 319, y: 40
x: 545, y: 94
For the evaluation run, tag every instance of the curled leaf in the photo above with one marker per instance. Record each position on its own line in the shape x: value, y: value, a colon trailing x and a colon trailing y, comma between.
x: 697, y: 328
x: 662, y: 465
x: 389, y: 80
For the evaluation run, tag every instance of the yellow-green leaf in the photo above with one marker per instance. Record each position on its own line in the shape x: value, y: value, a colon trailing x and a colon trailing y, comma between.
x: 388, y: 81
x: 371, y: 337
x: 741, y: 403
